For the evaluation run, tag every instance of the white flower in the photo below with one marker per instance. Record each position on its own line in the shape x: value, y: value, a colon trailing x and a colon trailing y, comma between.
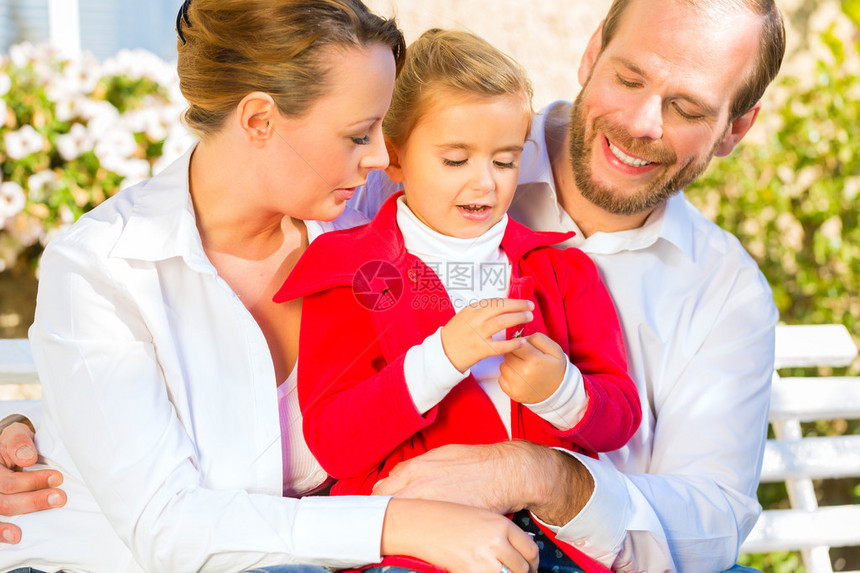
x: 101, y: 115
x: 132, y: 171
x: 2, y: 111
x: 21, y: 54
x: 5, y: 83
x: 23, y: 142
x: 72, y: 144
x: 84, y: 73
x: 116, y: 141
x: 37, y: 184
x: 12, y: 201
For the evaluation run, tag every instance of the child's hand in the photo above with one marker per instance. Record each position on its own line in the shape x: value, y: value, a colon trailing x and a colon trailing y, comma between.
x: 531, y: 373
x: 468, y: 337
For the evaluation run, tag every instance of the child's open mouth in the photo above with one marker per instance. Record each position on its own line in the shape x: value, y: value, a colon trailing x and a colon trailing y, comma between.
x: 475, y: 212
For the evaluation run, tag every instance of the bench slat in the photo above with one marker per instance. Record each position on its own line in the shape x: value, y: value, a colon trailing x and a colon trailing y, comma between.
x: 813, y: 457
x: 16, y: 362
x: 791, y: 529
x: 799, y: 345
x: 808, y: 399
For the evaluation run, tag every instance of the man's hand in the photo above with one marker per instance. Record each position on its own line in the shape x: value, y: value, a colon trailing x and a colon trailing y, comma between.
x: 24, y: 492
x: 531, y: 373
x: 504, y: 478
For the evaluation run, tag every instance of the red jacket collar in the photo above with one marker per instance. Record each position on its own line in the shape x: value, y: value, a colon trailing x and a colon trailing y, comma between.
x: 334, y: 257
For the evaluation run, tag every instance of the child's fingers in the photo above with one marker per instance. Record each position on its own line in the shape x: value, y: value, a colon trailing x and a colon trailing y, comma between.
x: 527, y: 352
x: 508, y: 320
x: 505, y: 347
x: 513, y: 304
x: 543, y: 343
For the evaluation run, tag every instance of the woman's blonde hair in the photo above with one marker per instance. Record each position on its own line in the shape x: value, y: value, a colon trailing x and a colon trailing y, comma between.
x: 230, y: 48
x: 450, y: 62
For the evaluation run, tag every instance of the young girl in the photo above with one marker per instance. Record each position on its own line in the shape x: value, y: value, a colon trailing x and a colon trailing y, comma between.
x: 442, y: 321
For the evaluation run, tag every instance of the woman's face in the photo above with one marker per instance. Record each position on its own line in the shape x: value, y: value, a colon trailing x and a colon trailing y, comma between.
x: 321, y: 157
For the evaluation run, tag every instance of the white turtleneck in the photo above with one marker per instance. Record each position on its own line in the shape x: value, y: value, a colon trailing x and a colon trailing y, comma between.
x: 472, y: 270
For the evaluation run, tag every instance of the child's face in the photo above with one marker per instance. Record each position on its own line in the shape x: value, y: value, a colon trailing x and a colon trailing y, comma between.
x: 460, y: 164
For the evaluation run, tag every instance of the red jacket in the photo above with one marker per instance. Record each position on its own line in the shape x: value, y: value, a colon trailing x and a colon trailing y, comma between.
x: 367, y: 301
x: 359, y: 419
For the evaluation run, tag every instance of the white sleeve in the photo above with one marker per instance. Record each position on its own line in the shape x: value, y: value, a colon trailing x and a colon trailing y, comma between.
x: 566, y: 406
x: 429, y: 373
x: 697, y: 503
x: 105, y: 395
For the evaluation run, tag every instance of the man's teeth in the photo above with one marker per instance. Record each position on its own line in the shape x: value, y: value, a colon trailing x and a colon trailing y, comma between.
x: 626, y: 159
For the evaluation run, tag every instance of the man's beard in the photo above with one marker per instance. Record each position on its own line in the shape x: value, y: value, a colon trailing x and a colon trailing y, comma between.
x: 608, y: 198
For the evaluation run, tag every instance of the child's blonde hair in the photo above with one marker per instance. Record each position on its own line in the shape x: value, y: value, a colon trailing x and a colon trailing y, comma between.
x: 450, y: 62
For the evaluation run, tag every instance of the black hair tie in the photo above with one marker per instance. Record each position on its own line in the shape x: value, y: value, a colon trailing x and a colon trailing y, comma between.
x: 180, y: 16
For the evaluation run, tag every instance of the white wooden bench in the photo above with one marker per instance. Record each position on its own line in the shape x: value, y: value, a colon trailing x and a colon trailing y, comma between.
x: 789, y: 457
x: 797, y: 460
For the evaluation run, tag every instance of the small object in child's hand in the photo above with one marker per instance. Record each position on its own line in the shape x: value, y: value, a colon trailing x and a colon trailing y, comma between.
x: 519, y: 333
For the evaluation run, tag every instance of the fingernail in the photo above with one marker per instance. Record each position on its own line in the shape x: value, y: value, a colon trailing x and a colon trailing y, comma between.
x: 25, y: 453
x: 55, y: 500
x: 55, y: 481
x: 7, y: 536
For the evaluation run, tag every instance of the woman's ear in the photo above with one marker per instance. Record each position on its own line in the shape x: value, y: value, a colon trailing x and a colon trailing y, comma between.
x: 394, y: 171
x: 256, y: 113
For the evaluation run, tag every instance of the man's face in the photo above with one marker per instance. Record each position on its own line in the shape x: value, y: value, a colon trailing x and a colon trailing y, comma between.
x: 655, y: 103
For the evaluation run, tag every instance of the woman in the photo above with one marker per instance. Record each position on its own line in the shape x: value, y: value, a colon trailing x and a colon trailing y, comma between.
x: 156, y: 331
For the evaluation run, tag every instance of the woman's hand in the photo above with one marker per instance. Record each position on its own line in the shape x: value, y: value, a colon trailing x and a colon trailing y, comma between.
x: 24, y: 492
x: 456, y: 537
x: 468, y: 336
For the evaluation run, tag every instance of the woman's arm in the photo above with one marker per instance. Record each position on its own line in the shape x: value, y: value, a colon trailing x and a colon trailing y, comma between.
x: 126, y: 419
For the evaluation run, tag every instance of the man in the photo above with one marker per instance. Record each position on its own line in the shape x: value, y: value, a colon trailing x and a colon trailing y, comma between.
x: 667, y: 84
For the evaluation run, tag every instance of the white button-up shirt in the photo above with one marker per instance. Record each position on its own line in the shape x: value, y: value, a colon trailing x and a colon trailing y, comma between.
x: 160, y: 408
x: 698, y: 320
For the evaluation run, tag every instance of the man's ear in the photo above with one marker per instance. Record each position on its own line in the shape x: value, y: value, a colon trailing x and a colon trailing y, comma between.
x: 589, y: 57
x: 394, y: 171
x: 256, y: 112
x: 737, y: 130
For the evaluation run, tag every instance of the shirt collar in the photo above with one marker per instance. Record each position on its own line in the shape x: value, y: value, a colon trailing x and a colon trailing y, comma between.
x: 536, y: 205
x: 162, y: 224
